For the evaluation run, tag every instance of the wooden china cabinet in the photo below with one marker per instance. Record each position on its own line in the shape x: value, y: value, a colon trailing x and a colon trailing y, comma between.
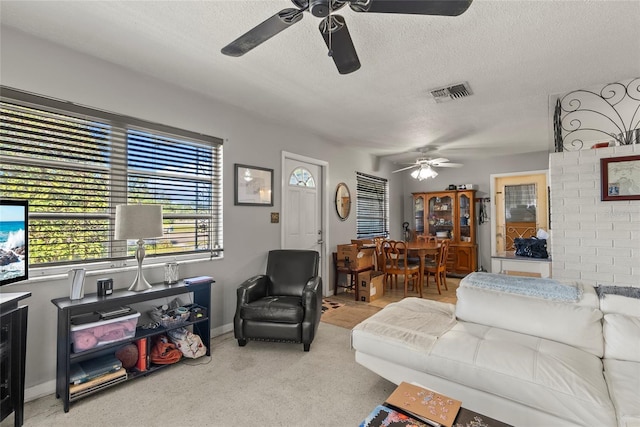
x: 450, y: 215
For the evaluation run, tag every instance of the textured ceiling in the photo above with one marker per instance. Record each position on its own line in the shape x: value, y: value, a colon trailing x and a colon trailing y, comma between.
x: 515, y: 55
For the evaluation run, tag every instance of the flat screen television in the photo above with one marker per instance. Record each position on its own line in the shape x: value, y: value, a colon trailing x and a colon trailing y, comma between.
x: 14, y: 242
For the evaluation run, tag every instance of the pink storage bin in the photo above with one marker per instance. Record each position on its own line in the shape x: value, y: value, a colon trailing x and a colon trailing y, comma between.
x: 90, y: 335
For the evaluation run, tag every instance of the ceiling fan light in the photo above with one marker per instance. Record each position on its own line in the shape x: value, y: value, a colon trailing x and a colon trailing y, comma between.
x: 431, y: 172
x: 423, y: 173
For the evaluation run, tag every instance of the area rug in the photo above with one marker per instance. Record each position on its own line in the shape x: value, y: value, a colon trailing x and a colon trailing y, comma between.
x: 347, y: 315
x: 328, y: 304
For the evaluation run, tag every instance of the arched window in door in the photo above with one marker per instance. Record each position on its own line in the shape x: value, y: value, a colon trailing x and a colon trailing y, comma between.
x: 302, y: 177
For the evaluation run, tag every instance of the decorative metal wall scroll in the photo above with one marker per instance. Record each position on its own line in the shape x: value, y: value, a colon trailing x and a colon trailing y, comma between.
x: 557, y: 127
x: 584, y: 117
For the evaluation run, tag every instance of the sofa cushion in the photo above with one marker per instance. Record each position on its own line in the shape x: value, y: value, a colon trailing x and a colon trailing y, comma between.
x: 553, y: 377
x: 577, y: 324
x: 613, y: 303
x: 410, y: 324
x: 622, y: 337
x: 623, y: 379
x: 621, y: 327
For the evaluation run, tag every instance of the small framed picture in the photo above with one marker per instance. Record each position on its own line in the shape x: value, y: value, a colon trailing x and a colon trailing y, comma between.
x: 620, y: 178
x: 253, y: 186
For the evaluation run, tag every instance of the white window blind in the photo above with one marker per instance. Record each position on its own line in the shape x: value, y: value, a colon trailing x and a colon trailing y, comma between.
x: 75, y: 164
x: 372, y: 206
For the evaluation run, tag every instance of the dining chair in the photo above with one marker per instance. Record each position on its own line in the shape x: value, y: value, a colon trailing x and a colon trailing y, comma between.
x: 397, y: 263
x: 427, y: 238
x: 438, y: 268
x: 378, y: 241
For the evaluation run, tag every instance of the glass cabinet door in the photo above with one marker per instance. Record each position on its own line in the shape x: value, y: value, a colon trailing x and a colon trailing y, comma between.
x: 441, y: 218
x: 466, y: 217
x: 418, y: 214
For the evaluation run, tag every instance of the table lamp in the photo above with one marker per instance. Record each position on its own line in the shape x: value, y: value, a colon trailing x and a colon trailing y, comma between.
x: 138, y: 222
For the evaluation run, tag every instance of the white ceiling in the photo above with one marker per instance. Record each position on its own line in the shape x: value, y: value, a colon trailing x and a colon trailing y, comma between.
x: 514, y: 54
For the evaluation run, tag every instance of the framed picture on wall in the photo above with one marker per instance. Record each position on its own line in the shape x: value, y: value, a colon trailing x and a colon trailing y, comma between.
x: 620, y: 178
x: 253, y: 186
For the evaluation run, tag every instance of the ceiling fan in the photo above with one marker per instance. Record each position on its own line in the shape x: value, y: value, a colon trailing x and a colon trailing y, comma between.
x: 334, y: 28
x: 424, y: 168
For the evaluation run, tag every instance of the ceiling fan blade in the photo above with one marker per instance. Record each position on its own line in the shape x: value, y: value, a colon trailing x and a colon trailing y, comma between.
x: 404, y: 169
x: 263, y: 32
x: 447, y: 165
x: 438, y: 160
x: 336, y: 35
x: 416, y: 7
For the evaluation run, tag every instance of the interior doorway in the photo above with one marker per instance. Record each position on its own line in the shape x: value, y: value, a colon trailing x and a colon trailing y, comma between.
x: 303, y: 211
x: 520, y: 208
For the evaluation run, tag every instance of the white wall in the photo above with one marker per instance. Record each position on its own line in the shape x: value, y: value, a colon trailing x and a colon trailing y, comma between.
x: 474, y: 171
x: 594, y: 241
x: 40, y: 67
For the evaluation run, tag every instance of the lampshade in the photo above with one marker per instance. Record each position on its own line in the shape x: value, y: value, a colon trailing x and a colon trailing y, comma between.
x: 424, y: 172
x: 138, y: 221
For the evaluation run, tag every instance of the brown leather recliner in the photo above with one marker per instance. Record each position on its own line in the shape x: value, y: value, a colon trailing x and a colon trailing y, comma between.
x: 285, y: 304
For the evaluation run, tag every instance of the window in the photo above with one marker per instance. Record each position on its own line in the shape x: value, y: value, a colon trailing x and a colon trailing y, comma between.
x: 372, y: 206
x: 75, y: 164
x: 302, y: 177
x: 520, y: 203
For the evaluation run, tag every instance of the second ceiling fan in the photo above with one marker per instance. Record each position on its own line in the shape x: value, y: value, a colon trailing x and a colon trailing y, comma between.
x: 334, y: 28
x: 424, y: 168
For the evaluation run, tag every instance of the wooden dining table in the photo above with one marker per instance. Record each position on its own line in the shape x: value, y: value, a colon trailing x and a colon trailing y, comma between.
x: 423, y: 248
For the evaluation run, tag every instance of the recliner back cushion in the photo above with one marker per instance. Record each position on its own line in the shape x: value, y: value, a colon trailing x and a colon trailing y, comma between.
x: 289, y: 270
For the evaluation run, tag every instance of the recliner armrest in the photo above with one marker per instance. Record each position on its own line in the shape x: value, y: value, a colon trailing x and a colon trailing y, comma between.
x: 311, y: 292
x: 252, y: 289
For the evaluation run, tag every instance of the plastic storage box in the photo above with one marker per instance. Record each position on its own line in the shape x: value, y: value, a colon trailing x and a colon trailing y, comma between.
x: 90, y: 335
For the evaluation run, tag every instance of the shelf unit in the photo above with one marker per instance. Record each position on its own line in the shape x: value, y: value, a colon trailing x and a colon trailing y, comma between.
x: 450, y: 215
x: 92, y: 302
x: 13, y: 347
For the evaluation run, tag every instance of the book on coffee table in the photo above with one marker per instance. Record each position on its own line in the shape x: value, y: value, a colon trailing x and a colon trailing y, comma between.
x: 425, y: 405
x: 383, y: 416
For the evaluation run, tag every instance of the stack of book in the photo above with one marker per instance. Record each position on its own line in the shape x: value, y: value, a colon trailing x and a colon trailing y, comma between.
x: 94, y: 374
x: 198, y: 280
x: 413, y: 405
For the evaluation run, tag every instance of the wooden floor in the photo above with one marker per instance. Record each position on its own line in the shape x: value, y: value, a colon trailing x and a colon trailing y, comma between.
x: 396, y: 294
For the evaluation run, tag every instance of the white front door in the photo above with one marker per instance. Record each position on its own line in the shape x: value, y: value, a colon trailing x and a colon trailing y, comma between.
x: 302, y: 207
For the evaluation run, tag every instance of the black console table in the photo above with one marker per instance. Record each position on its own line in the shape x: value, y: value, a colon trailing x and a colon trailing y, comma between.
x: 13, y: 347
x: 93, y: 303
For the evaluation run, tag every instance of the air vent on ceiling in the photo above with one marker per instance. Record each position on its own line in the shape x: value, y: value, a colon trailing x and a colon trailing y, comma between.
x: 449, y: 93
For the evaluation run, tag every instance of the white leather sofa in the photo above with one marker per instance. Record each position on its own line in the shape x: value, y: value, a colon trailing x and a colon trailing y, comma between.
x: 524, y: 360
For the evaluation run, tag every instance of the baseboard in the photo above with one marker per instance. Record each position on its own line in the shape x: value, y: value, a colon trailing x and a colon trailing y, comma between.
x: 221, y: 330
x: 40, y: 390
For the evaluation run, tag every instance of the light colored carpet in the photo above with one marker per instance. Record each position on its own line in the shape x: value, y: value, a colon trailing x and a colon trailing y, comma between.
x: 266, y: 384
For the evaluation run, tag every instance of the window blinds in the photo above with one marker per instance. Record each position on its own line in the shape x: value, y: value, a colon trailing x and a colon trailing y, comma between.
x: 372, y: 206
x: 75, y: 164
